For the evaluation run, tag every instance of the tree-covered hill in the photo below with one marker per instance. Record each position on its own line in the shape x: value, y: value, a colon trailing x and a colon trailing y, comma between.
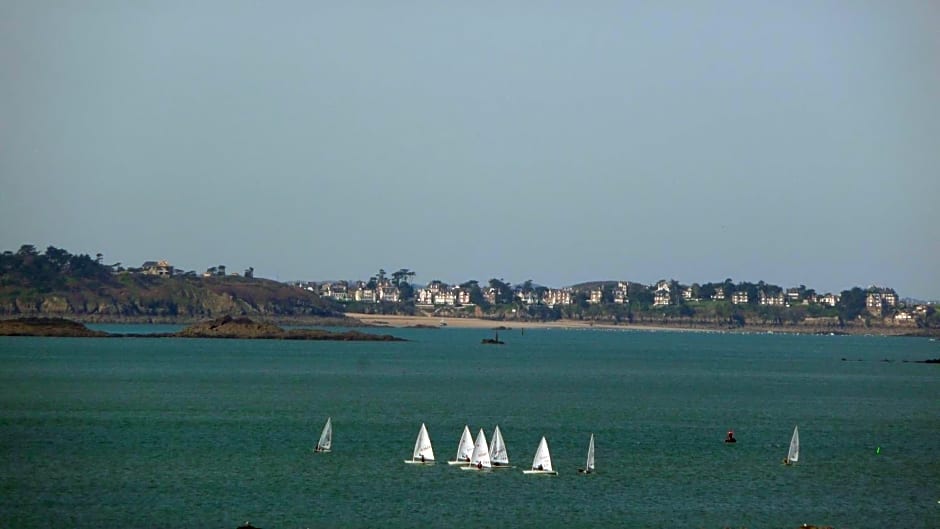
x: 57, y: 282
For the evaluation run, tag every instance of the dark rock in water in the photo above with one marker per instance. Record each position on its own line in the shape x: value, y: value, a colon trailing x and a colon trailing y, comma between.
x: 227, y: 327
x: 248, y: 329
x: 56, y: 327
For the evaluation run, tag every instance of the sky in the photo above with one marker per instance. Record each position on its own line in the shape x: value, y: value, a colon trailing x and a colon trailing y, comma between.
x: 790, y: 142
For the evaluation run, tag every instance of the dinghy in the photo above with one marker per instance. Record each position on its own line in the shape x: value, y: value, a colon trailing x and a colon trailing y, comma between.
x: 326, y: 437
x: 542, y: 462
x: 423, y: 453
x: 498, y: 454
x: 589, y: 465
x: 464, y: 449
x: 480, y: 458
x: 793, y: 455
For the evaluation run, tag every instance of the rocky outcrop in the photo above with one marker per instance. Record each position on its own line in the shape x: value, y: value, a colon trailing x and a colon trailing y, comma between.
x: 248, y: 329
x: 229, y: 327
x: 226, y: 327
x: 59, y: 327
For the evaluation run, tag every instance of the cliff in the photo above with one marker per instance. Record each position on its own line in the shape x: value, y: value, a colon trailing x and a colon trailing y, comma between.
x: 139, y: 298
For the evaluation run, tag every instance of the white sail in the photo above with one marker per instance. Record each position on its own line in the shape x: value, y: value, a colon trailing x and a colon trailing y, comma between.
x: 542, y: 462
x: 480, y: 458
x: 326, y: 437
x: 542, y: 459
x: 464, y: 448
x: 423, y: 453
x: 498, y: 454
x: 793, y: 455
x: 589, y: 465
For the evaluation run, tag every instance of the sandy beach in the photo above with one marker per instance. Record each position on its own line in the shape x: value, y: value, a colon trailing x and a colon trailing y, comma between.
x: 478, y: 323
x: 393, y: 321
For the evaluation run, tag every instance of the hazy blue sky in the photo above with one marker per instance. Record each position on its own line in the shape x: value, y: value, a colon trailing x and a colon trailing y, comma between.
x: 794, y: 142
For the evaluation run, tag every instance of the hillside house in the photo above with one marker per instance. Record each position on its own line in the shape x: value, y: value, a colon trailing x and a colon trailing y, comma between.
x: 529, y: 298
x: 161, y: 268
x: 620, y: 293
x: 388, y: 293
x: 662, y: 298
x: 365, y: 295
x: 463, y: 296
x: 879, y: 299
x: 557, y: 297
x: 776, y: 300
x: 338, y: 291
x: 829, y: 299
x: 740, y: 297
x: 596, y: 296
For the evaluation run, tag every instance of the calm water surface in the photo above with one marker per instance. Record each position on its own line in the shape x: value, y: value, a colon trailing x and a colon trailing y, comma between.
x: 211, y: 433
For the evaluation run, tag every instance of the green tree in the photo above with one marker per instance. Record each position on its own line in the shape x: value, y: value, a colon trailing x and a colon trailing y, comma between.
x: 476, y: 294
x: 503, y: 291
x: 851, y: 304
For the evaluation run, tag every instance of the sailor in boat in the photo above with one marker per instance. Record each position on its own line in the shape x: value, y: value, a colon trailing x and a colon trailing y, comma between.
x: 540, y: 467
x: 730, y: 438
x: 422, y: 458
x: 479, y: 465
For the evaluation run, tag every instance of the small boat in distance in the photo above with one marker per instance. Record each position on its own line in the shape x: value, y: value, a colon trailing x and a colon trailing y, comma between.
x: 464, y: 448
x: 326, y: 437
x: 730, y: 438
x: 480, y: 459
x: 589, y: 464
x: 542, y: 462
x: 423, y: 453
x: 492, y: 341
x: 499, y: 457
x: 793, y: 454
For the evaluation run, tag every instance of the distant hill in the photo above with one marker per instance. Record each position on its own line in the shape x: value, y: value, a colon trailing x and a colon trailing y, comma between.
x: 58, y: 283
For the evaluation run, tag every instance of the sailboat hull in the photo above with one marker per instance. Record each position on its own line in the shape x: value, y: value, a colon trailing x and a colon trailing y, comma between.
x: 543, y: 472
x: 418, y: 462
x: 321, y: 450
x: 585, y: 471
x: 461, y: 463
x: 474, y: 467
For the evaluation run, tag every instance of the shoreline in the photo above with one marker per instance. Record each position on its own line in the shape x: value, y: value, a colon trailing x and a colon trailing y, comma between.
x: 399, y: 321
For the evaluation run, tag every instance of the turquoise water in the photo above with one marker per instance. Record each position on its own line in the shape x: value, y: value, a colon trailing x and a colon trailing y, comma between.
x: 211, y: 433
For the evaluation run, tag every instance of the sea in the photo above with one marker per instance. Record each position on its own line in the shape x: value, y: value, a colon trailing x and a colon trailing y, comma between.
x: 198, y: 433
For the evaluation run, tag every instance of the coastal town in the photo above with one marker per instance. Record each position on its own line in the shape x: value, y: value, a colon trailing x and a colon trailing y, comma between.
x: 38, y: 283
x: 396, y: 289
x: 624, y: 298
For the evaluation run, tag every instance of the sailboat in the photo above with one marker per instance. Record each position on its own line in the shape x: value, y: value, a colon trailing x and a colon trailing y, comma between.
x: 480, y: 458
x: 498, y: 454
x: 589, y: 465
x: 423, y: 453
x: 542, y: 462
x: 464, y: 448
x: 793, y: 455
x: 326, y: 437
